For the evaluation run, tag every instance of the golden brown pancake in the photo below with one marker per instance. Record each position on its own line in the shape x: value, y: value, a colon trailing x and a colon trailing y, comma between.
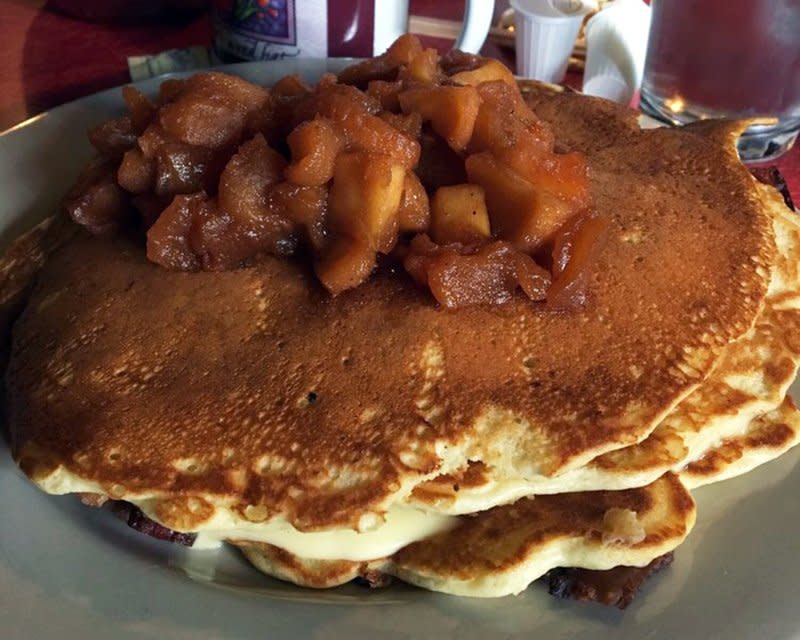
x: 513, y: 545
x: 502, y: 550
x: 765, y: 439
x: 751, y: 378
x: 253, y: 391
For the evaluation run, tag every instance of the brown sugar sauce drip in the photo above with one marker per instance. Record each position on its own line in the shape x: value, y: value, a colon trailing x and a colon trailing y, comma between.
x: 436, y: 161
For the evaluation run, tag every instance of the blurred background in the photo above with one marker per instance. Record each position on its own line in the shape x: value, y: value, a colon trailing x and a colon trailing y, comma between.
x: 705, y: 58
x: 58, y: 50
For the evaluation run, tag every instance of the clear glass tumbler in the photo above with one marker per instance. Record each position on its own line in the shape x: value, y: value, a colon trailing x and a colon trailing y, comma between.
x: 727, y: 59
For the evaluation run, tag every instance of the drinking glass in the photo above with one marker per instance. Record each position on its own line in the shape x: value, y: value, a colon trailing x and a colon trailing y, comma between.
x: 727, y: 59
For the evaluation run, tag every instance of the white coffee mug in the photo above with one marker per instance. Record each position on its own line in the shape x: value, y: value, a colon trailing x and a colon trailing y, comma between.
x: 277, y: 29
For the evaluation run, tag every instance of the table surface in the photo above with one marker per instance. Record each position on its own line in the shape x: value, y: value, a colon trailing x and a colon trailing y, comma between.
x: 49, y: 59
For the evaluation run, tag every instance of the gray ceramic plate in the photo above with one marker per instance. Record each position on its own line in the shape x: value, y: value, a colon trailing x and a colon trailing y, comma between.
x: 69, y: 571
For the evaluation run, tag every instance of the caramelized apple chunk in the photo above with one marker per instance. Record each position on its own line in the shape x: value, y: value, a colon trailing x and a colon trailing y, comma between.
x: 458, y: 214
x: 136, y: 173
x: 292, y: 86
x: 113, y: 138
x: 96, y: 201
x: 504, y: 118
x: 384, y: 67
x: 534, y: 280
x: 404, y: 49
x: 575, y: 248
x: 141, y: 109
x: 455, y: 61
x: 450, y: 110
x: 168, y: 238
x: 463, y: 280
x: 410, y: 123
x: 223, y: 244
x: 373, y: 135
x: 414, y: 213
x: 490, y: 71
x: 211, y: 109
x: 345, y: 265
x: 180, y: 168
x: 353, y: 114
x: 151, y: 140
x: 512, y: 202
x: 335, y: 101
x: 362, y: 73
x: 386, y: 93
x: 304, y: 207
x: 243, y: 186
x: 564, y: 175
x: 463, y: 275
x: 364, y: 199
x: 314, y: 146
x: 213, y: 236
x: 423, y: 67
x: 518, y: 212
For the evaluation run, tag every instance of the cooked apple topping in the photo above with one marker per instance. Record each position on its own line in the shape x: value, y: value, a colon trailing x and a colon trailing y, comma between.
x: 435, y: 162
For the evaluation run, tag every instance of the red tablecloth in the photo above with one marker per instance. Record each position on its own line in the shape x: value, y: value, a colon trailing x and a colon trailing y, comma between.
x: 49, y: 59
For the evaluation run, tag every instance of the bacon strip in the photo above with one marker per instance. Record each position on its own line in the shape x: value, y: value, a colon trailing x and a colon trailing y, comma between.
x: 135, y: 519
x: 615, y: 587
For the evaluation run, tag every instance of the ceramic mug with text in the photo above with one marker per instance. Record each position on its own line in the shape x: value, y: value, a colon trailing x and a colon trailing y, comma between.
x: 278, y: 29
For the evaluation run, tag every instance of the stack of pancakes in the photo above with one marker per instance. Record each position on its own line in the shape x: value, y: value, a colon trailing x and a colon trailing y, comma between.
x: 373, y: 434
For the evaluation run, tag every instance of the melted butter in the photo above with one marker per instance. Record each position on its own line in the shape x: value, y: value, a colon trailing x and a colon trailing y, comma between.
x: 400, y: 527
